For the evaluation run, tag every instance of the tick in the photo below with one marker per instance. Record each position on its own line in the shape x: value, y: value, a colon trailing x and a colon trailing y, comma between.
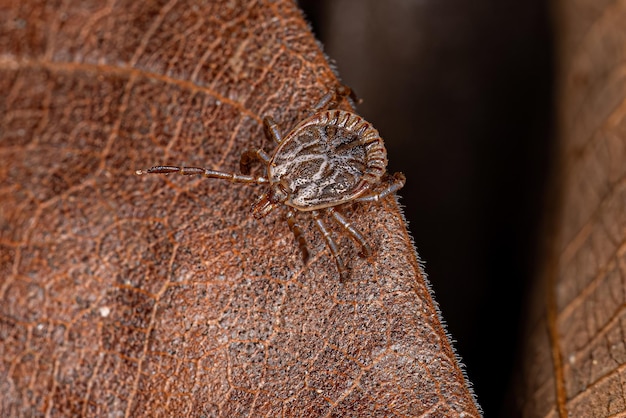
x: 330, y: 159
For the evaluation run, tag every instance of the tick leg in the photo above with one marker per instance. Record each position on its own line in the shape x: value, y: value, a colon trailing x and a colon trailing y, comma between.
x: 354, y: 233
x: 250, y: 156
x: 327, y: 100
x: 297, y: 233
x: 332, y: 246
x: 331, y: 99
x: 397, y: 183
x: 272, y: 131
x: 262, y: 206
x: 195, y: 171
x: 342, y: 91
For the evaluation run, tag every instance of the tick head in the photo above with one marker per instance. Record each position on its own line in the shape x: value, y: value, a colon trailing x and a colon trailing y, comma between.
x: 278, y: 193
x: 268, y: 201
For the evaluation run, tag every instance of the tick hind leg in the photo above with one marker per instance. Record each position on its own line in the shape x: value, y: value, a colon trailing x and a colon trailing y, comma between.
x: 332, y: 246
x: 366, y: 250
x: 332, y: 99
x: 395, y: 183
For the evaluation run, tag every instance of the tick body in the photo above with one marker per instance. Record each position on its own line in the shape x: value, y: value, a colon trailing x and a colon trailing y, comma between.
x: 327, y: 160
x: 331, y: 158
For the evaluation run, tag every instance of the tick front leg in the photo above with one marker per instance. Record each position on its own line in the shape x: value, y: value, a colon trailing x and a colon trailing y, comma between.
x: 206, y: 172
x: 396, y: 184
x: 332, y: 246
x: 272, y: 131
x: 251, y: 155
x: 354, y: 233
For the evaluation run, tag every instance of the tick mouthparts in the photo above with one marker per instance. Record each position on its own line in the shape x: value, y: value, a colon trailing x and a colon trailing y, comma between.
x: 140, y: 172
x: 262, y: 207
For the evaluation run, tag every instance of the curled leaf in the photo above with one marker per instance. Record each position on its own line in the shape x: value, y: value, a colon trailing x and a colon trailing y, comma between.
x: 576, y: 352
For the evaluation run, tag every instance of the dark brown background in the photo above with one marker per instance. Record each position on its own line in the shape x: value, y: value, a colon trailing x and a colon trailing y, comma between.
x: 461, y: 91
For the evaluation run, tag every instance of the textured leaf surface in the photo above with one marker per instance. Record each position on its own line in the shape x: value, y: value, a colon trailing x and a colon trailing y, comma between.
x: 575, y: 363
x: 126, y: 295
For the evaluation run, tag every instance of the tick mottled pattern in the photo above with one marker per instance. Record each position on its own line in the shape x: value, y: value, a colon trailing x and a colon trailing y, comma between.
x: 328, y: 159
x: 331, y: 158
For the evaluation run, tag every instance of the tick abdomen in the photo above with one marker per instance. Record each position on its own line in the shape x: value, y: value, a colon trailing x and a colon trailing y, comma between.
x: 327, y: 159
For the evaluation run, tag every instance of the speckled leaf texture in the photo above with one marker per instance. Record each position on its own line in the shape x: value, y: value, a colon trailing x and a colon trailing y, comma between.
x: 134, y: 296
x: 576, y: 356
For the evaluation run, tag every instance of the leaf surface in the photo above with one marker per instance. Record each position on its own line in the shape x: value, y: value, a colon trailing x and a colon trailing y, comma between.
x: 158, y: 295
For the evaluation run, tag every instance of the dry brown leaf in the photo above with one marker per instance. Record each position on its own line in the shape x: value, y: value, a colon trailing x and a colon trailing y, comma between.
x: 577, y: 350
x: 162, y: 296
